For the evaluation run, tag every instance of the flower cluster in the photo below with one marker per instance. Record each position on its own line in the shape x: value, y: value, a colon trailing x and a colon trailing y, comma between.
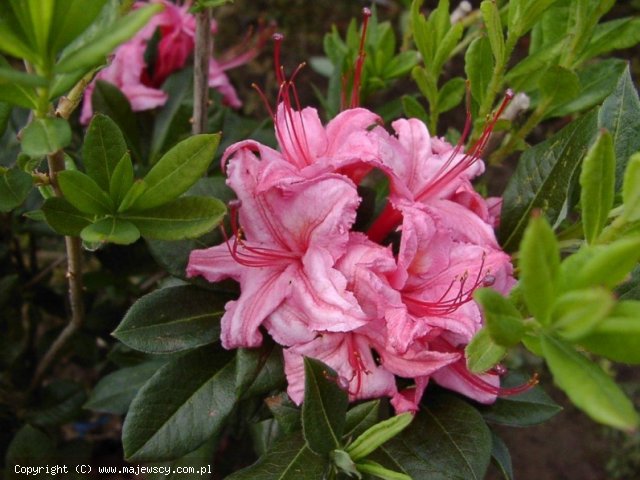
x: 394, y: 301
x: 175, y: 29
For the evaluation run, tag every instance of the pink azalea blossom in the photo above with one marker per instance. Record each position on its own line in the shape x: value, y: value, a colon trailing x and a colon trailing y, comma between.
x: 129, y: 72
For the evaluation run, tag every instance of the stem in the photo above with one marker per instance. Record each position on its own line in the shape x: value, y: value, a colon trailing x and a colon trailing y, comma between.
x: 201, y: 71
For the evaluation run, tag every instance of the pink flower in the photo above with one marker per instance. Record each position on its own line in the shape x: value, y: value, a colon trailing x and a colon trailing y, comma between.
x: 141, y: 83
x: 286, y: 251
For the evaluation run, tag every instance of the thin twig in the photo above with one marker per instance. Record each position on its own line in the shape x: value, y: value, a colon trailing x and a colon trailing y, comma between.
x: 201, y: 71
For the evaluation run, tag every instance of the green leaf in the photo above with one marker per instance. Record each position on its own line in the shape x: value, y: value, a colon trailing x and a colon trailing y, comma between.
x: 15, y: 185
x: 29, y: 447
x: 121, y: 180
x: 186, y: 217
x: 177, y: 170
x: 526, y: 74
x: 618, y: 337
x: 451, y: 94
x: 45, y: 135
x: 259, y: 370
x: 597, y: 81
x: 531, y: 407
x: 544, y: 179
x: 84, y: 193
x: 115, y: 391
x: 491, y: 18
x: 413, y: 108
x: 94, y: 54
x: 426, y: 83
x: 502, y: 318
x: 501, y: 456
x: 70, y: 19
x: 539, y: 264
x: 378, y: 471
x: 483, y: 353
x: 448, y: 439
x: 289, y: 459
x: 59, y: 402
x: 578, y: 312
x: 597, y: 182
x: 16, y: 77
x: 172, y: 319
x: 360, y: 418
x: 631, y: 190
x: 284, y: 411
x: 620, y: 115
x: 12, y: 38
x: 136, y: 189
x: 110, y: 229
x: 558, y: 85
x: 5, y: 115
x: 445, y: 47
x: 613, y: 35
x: 103, y: 148
x: 174, y: 413
x: 194, y: 465
x: 588, y: 387
x: 64, y: 218
x: 523, y: 14
x: 324, y: 408
x: 478, y: 65
x: 377, y: 435
x: 109, y: 100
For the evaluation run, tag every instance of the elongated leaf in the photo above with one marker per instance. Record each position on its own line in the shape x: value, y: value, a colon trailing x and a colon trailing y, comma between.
x: 324, y: 408
x: 620, y: 115
x: 289, y: 459
x: 613, y: 35
x: 114, y: 392
x: 10, y: 75
x: 491, y: 18
x: 631, y: 189
x: 544, y: 179
x: 478, y: 65
x: 360, y: 418
x: 15, y: 185
x: 194, y: 465
x: 70, y: 19
x: 539, y: 268
x: 447, y: 439
x: 483, y: 353
x: 578, y: 312
x: 451, y: 94
x: 618, y: 337
x: 558, y: 85
x: 174, y: 413
x: 501, y: 457
x: 45, y: 135
x: 259, y: 371
x: 588, y: 387
x: 60, y: 402
x: 378, y: 434
x: 84, y: 193
x: 94, y: 53
x: 531, y: 407
x: 121, y: 180
x: 186, y: 217
x: 64, y: 218
x: 104, y: 146
x: 110, y: 229
x: 597, y: 182
x: 502, y: 318
x: 177, y: 170
x: 172, y: 319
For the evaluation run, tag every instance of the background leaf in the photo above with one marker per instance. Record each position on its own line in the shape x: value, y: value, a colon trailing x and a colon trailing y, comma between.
x: 45, y: 135
x: 15, y: 185
x: 104, y: 146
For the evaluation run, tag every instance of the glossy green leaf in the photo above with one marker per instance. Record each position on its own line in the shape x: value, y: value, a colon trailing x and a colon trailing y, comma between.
x: 491, y: 18
x: 377, y: 435
x: 426, y: 83
x: 618, y: 337
x: 174, y: 413
x: 259, y: 370
x: 70, y: 19
x: 526, y: 74
x: 544, y: 179
x: 177, y: 170
x: 360, y: 418
x: 597, y: 182
x: 451, y: 94
x: 620, y: 115
x: 558, y: 85
x: 289, y: 459
x: 631, y: 190
x: 531, y: 407
x: 136, y: 189
x: 84, y: 193
x: 378, y: 471
x: 11, y: 76
x: 45, y: 135
x: 413, y: 108
x: 448, y: 439
x: 578, y: 312
x: 115, y: 391
x: 94, y: 54
x: 103, y: 148
x: 324, y: 407
x: 12, y: 38
x: 194, y: 465
x: 483, y: 353
x: 597, y: 81
x: 109, y: 100
x: 478, y: 65
x: 539, y: 264
x: 110, y: 229
x: 121, y: 180
x: 502, y: 318
x: 588, y: 387
x: 172, y: 319
x: 186, y: 217
x: 15, y: 185
x: 523, y: 14
x: 445, y: 46
x: 613, y: 35
x: 501, y: 456
x: 64, y: 218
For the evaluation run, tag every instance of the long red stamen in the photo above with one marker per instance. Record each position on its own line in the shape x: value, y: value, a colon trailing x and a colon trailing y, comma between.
x: 357, y: 73
x: 357, y: 364
x: 461, y: 369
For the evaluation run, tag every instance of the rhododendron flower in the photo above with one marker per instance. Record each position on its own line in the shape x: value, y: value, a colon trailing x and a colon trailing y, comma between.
x: 141, y: 83
x: 320, y: 289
